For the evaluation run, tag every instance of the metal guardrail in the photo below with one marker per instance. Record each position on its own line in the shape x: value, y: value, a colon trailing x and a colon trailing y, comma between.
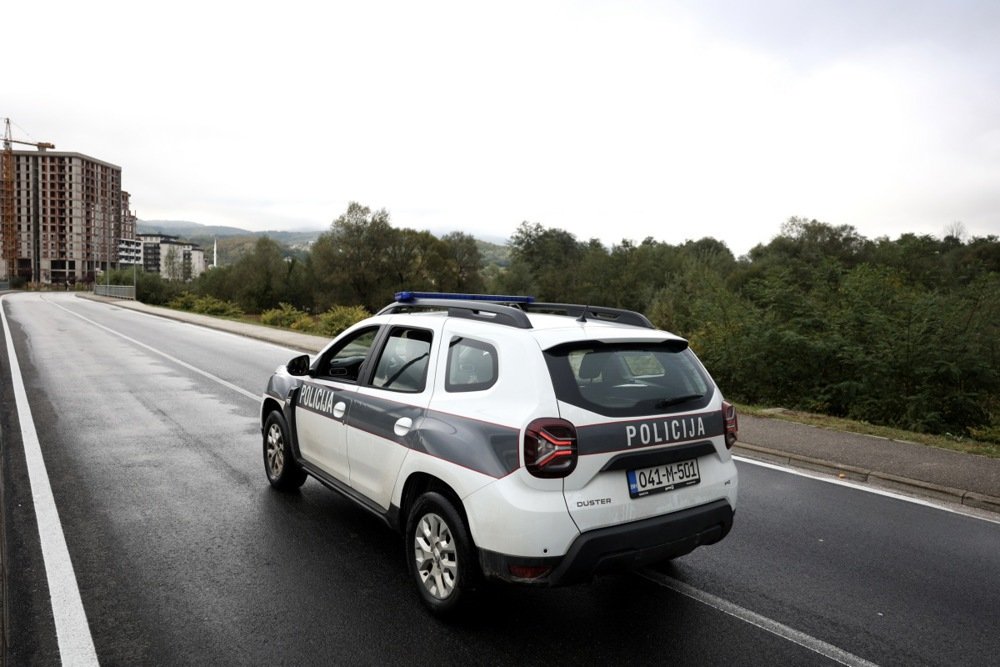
x: 115, y: 291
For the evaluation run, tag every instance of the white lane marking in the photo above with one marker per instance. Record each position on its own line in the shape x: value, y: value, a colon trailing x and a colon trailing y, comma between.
x: 753, y: 618
x: 868, y: 488
x: 76, y: 645
x: 184, y: 364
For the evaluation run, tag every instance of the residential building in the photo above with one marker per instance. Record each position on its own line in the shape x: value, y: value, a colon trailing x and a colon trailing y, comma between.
x: 70, y: 216
x: 171, y: 257
x: 129, y: 251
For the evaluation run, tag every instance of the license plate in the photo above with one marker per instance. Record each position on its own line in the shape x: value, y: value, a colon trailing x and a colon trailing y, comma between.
x: 667, y: 477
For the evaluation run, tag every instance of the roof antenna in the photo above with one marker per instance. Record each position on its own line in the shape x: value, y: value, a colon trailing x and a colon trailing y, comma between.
x: 583, y: 314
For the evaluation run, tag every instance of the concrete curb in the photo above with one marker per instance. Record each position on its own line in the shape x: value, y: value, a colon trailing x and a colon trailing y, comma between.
x: 875, y: 477
x: 291, y: 339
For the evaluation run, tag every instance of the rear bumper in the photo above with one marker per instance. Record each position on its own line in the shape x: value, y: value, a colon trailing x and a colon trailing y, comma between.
x: 623, y: 547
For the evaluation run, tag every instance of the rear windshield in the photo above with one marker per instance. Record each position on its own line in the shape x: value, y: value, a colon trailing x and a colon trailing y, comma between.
x: 629, y: 379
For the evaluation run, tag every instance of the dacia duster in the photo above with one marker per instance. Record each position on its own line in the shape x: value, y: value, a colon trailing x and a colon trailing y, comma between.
x: 539, y: 443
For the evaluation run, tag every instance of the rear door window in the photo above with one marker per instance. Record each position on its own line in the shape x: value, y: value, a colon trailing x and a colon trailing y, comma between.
x: 629, y: 379
x: 472, y: 365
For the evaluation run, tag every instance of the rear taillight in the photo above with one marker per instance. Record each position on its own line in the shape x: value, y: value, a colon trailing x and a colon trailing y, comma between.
x: 550, y: 447
x: 732, y: 423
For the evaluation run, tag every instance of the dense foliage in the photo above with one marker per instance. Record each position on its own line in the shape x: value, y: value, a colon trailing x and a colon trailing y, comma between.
x: 205, y: 305
x: 329, y: 323
x: 904, y: 333
x: 901, y: 332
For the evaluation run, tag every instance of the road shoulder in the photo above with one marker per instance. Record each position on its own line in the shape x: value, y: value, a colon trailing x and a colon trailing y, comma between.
x: 910, y: 468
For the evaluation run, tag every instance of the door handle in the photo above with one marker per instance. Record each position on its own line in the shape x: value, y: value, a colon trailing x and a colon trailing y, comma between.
x: 403, y: 426
x: 339, y: 409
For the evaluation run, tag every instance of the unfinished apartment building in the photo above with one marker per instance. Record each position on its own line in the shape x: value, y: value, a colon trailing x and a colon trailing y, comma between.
x: 66, y: 218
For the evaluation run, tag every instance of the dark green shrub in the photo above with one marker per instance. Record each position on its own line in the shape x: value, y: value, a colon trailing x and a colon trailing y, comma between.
x: 338, y: 318
x: 183, y: 301
x: 209, y: 305
x: 287, y: 316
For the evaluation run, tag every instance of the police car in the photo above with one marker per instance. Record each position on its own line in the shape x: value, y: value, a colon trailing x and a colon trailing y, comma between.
x: 508, y: 439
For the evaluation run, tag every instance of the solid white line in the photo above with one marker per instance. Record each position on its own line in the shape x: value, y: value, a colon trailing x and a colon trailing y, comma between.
x: 76, y: 646
x: 184, y: 364
x: 961, y: 510
x: 753, y: 618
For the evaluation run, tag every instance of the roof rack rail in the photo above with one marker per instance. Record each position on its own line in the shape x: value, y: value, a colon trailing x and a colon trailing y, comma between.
x: 599, y: 313
x: 473, y: 309
x: 508, y: 310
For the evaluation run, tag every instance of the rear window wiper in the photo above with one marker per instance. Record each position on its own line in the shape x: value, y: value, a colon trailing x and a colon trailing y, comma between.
x: 666, y: 403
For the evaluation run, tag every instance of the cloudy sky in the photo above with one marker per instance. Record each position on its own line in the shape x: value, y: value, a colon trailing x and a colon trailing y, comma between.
x: 610, y: 119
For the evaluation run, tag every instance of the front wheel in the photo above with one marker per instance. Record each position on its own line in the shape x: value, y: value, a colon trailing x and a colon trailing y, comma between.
x: 283, y: 472
x: 440, y: 553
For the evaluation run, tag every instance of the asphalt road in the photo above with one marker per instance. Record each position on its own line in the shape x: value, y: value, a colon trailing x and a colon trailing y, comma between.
x: 182, y: 554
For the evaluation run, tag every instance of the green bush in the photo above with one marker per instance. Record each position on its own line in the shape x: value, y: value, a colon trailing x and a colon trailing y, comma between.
x: 338, y: 318
x: 987, y: 433
x: 153, y: 289
x: 205, y: 305
x: 306, y: 324
x: 286, y: 316
x: 209, y: 305
x: 183, y: 301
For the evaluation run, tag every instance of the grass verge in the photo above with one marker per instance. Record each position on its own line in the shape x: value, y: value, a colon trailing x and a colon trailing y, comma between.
x: 956, y: 443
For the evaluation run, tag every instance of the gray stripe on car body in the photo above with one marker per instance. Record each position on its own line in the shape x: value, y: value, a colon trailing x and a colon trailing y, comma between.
x: 490, y: 449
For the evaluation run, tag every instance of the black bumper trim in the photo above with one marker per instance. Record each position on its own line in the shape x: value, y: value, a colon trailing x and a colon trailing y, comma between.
x: 625, y: 547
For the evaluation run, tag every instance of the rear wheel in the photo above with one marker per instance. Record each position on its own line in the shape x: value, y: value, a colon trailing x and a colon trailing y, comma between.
x: 439, y: 553
x: 283, y: 472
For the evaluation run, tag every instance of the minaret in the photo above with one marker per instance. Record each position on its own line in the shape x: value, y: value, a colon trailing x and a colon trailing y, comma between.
x: 215, y: 253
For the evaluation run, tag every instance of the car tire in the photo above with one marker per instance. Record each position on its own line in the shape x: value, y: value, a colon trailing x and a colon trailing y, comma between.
x: 439, y: 553
x: 282, y: 470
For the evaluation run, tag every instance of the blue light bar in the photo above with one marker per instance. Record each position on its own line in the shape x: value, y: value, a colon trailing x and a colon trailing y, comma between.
x: 495, y: 298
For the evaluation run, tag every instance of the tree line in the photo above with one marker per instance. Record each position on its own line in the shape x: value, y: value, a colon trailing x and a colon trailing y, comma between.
x: 902, y: 332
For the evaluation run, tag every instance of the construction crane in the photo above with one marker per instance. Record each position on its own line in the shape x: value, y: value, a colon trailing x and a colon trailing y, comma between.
x: 8, y: 219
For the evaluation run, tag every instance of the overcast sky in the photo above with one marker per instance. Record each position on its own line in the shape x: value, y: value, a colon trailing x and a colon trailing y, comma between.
x: 609, y: 119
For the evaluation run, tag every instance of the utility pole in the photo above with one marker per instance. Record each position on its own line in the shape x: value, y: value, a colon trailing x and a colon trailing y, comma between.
x: 108, y: 254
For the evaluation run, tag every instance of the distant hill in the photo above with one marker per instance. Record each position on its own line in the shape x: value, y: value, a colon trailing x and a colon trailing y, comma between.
x: 494, y: 253
x: 235, y: 242
x: 186, y: 229
x: 204, y: 235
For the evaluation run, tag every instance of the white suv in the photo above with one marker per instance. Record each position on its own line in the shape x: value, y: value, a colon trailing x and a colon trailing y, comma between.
x: 507, y: 439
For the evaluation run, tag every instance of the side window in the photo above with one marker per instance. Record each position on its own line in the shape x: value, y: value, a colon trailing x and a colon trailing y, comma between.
x: 343, y: 362
x: 402, y: 366
x: 472, y: 365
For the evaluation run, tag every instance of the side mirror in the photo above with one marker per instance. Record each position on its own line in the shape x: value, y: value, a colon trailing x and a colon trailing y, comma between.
x: 298, y: 366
